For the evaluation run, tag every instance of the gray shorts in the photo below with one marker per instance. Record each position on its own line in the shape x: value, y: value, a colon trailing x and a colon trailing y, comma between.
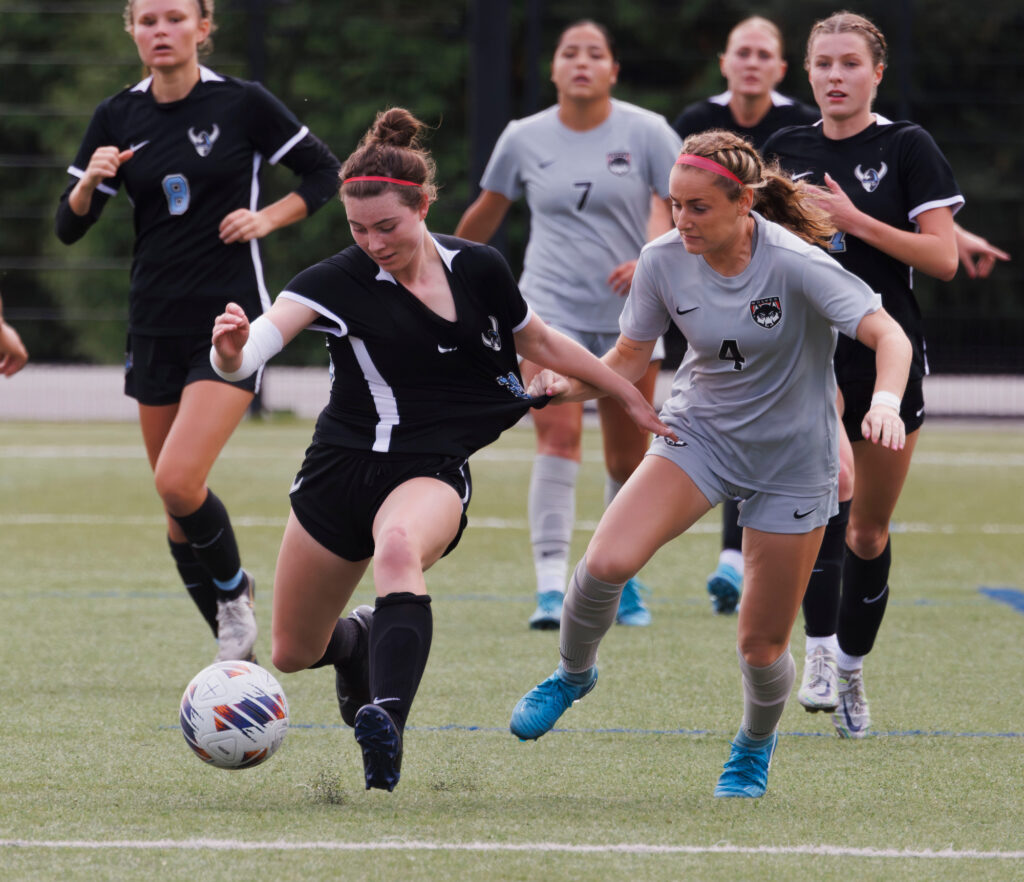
x: 760, y: 509
x: 598, y: 344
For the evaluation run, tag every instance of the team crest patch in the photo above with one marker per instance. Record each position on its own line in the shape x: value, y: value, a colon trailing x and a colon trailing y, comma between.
x: 871, y: 178
x: 203, y: 141
x: 767, y: 313
x: 491, y: 337
x: 511, y: 382
x: 619, y: 163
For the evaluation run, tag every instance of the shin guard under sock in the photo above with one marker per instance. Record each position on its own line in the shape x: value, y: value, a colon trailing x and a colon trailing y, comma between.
x: 765, y: 691
x: 208, y: 530
x: 821, y: 601
x: 588, y: 613
x: 865, y: 595
x: 197, y: 581
x: 400, y: 638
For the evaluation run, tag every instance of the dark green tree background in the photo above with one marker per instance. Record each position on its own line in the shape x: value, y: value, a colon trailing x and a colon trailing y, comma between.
x: 955, y: 67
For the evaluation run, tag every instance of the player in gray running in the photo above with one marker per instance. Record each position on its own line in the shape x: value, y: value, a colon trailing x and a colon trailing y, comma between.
x: 588, y: 167
x: 753, y: 407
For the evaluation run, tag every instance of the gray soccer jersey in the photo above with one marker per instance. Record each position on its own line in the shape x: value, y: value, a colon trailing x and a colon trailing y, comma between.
x: 589, y: 196
x: 756, y: 389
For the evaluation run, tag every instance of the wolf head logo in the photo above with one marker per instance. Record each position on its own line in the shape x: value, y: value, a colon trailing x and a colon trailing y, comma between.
x: 203, y: 141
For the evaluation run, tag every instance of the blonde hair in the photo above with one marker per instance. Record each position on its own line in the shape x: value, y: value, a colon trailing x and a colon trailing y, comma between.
x: 776, y: 197
x: 850, y: 23
x: 764, y: 24
x: 205, y: 8
x: 391, y: 149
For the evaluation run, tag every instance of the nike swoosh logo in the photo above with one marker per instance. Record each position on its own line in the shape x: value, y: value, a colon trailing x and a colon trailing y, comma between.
x: 921, y: 411
x: 296, y: 483
x: 444, y: 349
x: 802, y: 514
x: 877, y: 597
x: 139, y: 146
x: 544, y: 163
x: 801, y: 175
x: 684, y: 311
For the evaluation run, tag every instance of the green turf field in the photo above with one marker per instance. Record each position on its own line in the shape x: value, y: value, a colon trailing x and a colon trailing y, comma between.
x: 98, y: 639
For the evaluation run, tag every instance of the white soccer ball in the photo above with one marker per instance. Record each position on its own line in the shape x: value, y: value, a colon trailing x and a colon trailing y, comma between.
x: 234, y: 714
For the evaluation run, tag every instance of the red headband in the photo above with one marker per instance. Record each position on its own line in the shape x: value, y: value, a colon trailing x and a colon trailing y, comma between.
x: 381, y: 179
x: 708, y: 165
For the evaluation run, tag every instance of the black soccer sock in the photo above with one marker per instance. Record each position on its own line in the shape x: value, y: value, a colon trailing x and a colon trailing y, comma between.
x: 821, y: 601
x: 208, y: 530
x: 344, y: 640
x: 197, y: 581
x: 865, y: 594
x: 400, y: 635
x: 732, y: 532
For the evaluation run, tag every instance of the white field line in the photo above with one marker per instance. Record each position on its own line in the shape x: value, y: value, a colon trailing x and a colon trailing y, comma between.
x: 47, y: 519
x: 239, y: 451
x: 563, y: 847
x: 50, y: 519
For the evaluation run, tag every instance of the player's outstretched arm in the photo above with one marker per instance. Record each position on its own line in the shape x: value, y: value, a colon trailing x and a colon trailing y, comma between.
x: 239, y: 348
x: 586, y: 377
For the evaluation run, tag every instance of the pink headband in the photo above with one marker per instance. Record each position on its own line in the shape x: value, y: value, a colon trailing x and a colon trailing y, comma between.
x: 708, y: 165
x: 381, y: 179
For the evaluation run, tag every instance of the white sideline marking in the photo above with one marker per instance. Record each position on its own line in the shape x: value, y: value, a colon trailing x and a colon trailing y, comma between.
x: 415, y: 845
x: 240, y: 451
x: 49, y: 519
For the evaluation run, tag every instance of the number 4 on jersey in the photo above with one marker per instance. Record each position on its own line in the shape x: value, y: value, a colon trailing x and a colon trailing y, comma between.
x: 730, y: 351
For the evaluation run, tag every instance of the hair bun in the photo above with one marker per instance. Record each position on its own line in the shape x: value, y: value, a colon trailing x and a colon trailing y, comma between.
x: 397, y: 127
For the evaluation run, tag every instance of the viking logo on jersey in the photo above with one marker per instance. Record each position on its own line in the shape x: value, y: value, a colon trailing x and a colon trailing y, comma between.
x: 619, y: 163
x: 870, y: 179
x: 203, y: 141
x: 767, y: 313
x: 491, y: 338
x: 511, y: 382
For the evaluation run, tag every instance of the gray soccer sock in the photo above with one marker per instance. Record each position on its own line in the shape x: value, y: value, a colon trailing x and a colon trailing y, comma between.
x: 765, y: 691
x: 552, y: 511
x: 611, y: 489
x: 588, y: 613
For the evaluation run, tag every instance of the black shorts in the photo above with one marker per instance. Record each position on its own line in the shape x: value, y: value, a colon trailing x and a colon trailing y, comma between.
x: 338, y: 492
x: 857, y: 398
x: 156, y: 369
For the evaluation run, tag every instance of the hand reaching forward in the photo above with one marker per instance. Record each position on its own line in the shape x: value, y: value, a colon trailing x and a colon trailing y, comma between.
x: 230, y: 333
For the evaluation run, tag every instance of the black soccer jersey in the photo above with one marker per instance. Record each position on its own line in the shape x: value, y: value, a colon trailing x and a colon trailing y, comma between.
x: 196, y: 160
x: 406, y: 380
x: 714, y: 113
x: 892, y: 171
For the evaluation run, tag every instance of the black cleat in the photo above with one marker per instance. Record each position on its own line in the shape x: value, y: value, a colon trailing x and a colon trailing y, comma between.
x: 352, y: 682
x: 381, y: 742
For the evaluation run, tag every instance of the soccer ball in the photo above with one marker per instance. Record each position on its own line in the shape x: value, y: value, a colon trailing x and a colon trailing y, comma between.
x: 234, y: 714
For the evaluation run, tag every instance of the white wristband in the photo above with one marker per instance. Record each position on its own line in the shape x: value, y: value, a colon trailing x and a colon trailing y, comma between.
x: 886, y: 399
x: 264, y: 342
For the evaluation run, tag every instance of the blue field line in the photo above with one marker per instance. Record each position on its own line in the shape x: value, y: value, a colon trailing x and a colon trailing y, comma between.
x: 503, y: 730
x: 1012, y: 597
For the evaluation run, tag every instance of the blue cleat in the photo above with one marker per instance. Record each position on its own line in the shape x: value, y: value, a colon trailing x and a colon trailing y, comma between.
x: 725, y: 585
x: 632, y: 609
x: 381, y: 742
x: 540, y: 708
x: 548, y: 614
x: 746, y: 771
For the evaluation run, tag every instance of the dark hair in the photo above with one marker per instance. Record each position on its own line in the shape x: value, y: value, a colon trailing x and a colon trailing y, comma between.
x: 589, y: 22
x: 850, y: 23
x: 205, y: 11
x: 778, y: 198
x: 391, y: 149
